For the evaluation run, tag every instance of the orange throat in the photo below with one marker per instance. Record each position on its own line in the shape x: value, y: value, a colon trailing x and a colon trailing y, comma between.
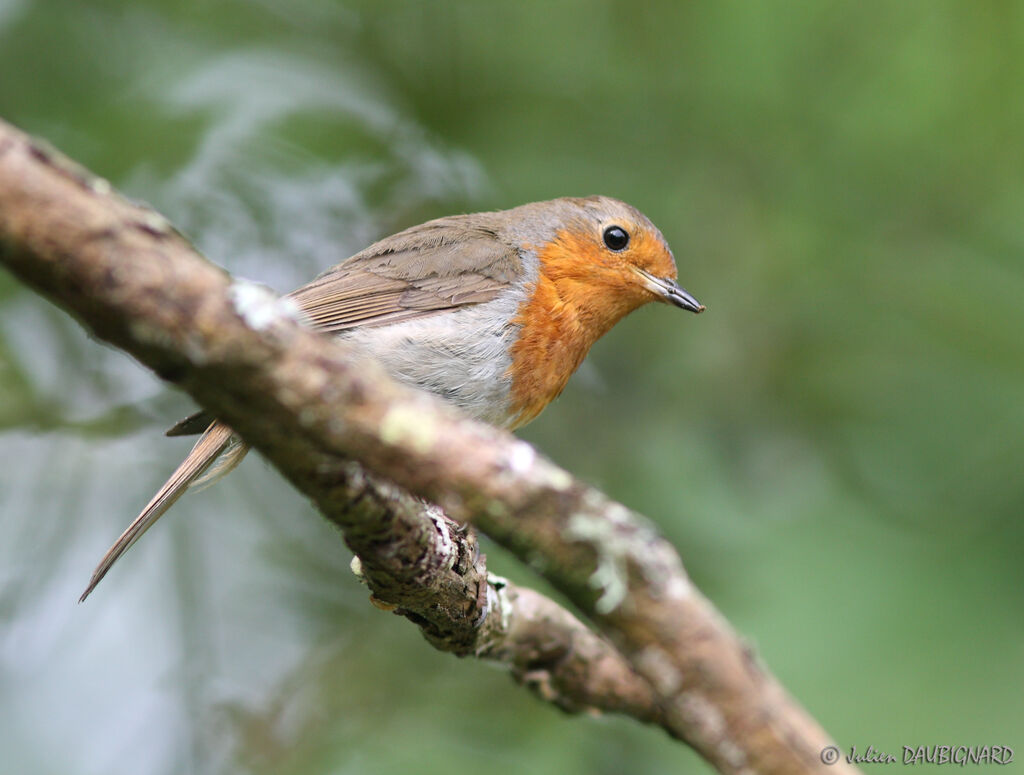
x: 573, y: 303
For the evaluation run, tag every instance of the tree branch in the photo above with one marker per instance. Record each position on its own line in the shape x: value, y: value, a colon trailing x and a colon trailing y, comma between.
x: 294, y: 395
x: 427, y: 568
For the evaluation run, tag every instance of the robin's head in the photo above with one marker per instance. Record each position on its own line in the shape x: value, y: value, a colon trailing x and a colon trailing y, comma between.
x: 607, y: 251
x: 598, y: 260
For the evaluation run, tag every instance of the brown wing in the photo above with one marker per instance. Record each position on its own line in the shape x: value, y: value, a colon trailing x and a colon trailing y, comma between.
x: 443, y: 264
x: 438, y: 266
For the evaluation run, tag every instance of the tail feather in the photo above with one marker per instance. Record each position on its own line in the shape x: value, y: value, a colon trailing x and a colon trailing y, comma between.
x: 216, y: 439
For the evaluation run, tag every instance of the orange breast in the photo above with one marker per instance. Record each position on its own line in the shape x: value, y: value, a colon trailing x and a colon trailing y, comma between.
x: 576, y: 299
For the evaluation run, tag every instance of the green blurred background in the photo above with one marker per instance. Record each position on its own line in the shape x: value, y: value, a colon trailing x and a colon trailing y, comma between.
x: 836, y: 446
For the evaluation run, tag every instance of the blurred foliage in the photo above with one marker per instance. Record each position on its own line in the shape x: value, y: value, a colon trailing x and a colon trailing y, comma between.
x: 836, y: 446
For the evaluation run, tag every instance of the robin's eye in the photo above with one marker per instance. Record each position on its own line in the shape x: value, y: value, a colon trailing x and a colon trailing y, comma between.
x: 616, y: 238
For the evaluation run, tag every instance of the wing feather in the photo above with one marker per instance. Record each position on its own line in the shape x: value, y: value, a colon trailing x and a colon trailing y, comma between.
x: 438, y: 266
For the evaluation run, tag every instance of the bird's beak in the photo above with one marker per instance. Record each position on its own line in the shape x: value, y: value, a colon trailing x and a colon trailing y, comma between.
x: 668, y: 291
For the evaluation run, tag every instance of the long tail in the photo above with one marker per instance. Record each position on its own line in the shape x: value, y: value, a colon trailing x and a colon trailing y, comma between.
x: 215, y: 441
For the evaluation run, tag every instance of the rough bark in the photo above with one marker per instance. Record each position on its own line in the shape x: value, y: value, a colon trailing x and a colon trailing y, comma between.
x: 294, y: 395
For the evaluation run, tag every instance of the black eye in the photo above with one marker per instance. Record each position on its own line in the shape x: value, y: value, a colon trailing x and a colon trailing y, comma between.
x: 616, y: 238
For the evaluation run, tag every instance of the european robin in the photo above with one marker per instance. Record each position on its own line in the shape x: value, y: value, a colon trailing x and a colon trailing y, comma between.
x: 491, y: 311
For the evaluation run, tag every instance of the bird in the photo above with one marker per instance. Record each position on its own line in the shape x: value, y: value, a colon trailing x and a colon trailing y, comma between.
x: 491, y: 311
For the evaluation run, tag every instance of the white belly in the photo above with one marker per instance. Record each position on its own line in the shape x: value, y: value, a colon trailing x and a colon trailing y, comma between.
x: 462, y: 355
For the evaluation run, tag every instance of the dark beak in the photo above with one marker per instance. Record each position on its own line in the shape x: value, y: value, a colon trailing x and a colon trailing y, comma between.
x: 670, y: 292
